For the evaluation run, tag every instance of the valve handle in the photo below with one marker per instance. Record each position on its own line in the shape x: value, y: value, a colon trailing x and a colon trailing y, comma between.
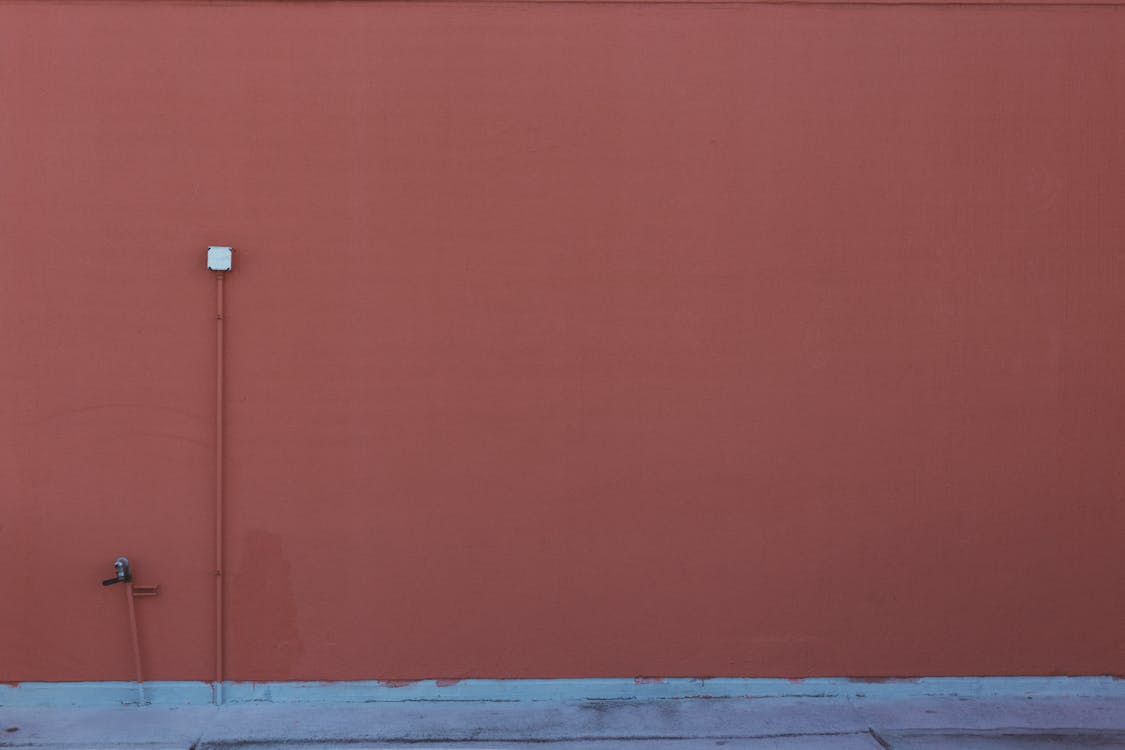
x: 124, y: 573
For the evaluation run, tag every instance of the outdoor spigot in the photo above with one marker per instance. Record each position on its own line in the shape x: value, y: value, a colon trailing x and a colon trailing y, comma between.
x: 123, y: 574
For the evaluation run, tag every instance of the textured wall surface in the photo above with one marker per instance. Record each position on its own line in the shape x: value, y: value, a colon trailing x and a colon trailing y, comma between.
x: 565, y: 339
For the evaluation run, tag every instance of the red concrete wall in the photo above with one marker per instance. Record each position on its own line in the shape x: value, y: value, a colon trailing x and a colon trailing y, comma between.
x: 565, y: 339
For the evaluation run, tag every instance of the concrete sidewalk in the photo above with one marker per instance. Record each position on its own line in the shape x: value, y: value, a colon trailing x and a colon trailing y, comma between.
x: 733, y: 723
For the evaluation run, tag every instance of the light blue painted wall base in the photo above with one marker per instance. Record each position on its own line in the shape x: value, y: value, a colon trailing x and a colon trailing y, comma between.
x: 568, y: 690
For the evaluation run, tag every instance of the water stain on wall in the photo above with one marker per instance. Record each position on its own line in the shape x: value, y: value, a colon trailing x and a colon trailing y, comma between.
x: 263, y: 582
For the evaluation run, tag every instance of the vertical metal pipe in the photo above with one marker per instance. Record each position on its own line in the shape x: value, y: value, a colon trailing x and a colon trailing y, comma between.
x: 136, y: 643
x: 219, y: 492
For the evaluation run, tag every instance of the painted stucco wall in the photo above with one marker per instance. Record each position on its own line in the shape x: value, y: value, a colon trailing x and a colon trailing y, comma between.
x: 565, y: 340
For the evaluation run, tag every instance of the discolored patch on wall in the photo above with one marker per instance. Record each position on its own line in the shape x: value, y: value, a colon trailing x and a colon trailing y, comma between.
x: 263, y: 583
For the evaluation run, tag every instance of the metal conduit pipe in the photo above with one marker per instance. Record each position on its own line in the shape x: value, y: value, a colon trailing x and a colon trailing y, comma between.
x: 219, y: 261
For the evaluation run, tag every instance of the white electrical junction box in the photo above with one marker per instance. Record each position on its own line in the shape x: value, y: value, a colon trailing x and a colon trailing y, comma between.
x: 218, y: 258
